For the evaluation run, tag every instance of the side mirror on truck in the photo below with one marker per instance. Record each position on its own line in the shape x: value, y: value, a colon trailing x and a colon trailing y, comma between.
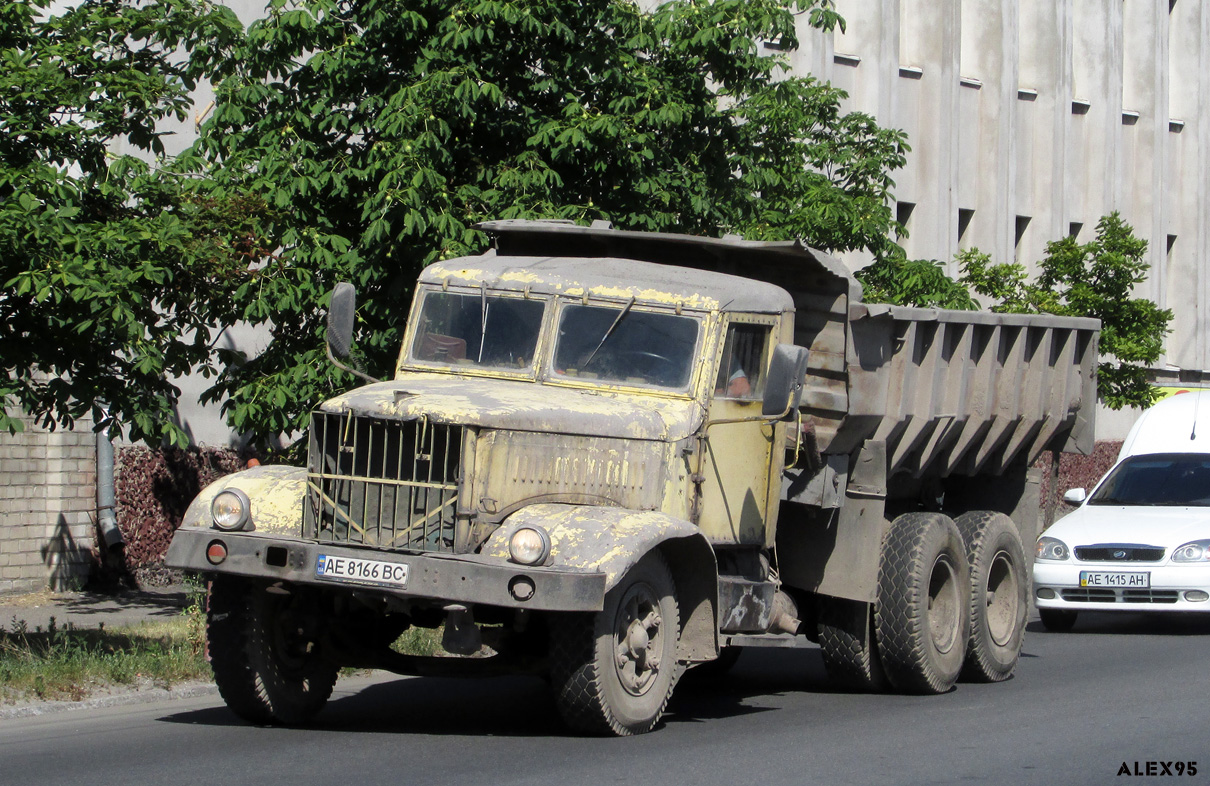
x: 340, y: 319
x: 339, y: 336
x: 784, y: 383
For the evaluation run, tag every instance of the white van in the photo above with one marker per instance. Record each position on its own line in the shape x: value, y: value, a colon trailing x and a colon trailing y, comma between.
x: 1141, y: 540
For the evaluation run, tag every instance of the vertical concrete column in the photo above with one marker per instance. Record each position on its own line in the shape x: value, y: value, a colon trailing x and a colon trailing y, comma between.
x: 1145, y: 129
x: 1045, y: 85
x: 1187, y: 188
x: 1094, y: 185
x: 929, y: 55
x: 987, y: 168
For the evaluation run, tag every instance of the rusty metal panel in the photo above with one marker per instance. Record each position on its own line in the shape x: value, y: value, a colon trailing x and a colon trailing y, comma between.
x: 966, y: 393
x: 514, y: 466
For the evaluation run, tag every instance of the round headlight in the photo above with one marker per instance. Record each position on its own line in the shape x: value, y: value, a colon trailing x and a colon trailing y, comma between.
x: 230, y: 510
x: 1052, y: 548
x: 529, y: 546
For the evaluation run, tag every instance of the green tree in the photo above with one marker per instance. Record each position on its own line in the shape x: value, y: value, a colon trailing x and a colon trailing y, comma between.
x: 1095, y: 279
x: 103, y: 263
x: 379, y: 132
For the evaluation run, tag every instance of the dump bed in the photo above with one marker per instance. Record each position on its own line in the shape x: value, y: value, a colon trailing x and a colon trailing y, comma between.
x: 948, y: 392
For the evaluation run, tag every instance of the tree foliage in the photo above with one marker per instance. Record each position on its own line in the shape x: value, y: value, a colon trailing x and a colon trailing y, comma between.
x: 377, y: 133
x: 1095, y: 279
x: 106, y: 268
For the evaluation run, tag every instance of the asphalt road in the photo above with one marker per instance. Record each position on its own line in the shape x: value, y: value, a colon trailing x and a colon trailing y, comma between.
x: 1117, y: 690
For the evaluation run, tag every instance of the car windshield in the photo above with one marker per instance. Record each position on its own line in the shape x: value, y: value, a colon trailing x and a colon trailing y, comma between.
x: 477, y: 330
x: 1162, y: 479
x: 622, y: 344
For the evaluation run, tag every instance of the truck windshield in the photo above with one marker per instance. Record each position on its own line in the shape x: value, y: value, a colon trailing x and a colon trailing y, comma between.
x: 477, y: 330
x: 623, y: 344
x: 1180, y: 479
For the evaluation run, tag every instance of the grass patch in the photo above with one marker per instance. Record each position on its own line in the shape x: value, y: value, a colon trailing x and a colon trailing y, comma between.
x: 69, y: 663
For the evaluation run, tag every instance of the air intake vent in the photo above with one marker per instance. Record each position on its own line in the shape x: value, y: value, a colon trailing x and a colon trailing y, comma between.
x: 383, y: 483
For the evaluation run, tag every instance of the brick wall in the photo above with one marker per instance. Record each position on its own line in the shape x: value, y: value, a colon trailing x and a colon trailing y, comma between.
x: 47, y: 505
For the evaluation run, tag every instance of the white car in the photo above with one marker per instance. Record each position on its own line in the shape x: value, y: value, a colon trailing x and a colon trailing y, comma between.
x: 1141, y: 540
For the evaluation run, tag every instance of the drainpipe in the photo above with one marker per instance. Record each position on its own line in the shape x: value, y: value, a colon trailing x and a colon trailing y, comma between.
x: 107, y: 520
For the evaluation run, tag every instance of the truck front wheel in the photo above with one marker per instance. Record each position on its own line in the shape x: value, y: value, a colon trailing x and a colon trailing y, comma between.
x: 265, y: 653
x: 922, y: 616
x: 613, y: 671
x: 998, y: 595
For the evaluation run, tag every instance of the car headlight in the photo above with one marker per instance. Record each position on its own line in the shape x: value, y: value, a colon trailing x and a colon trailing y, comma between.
x: 230, y: 510
x: 529, y: 546
x: 1053, y: 549
x: 1196, y: 551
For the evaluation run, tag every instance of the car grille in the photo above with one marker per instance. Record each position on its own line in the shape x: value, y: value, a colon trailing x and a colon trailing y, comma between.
x: 1125, y: 552
x: 384, y: 483
x: 1101, y: 595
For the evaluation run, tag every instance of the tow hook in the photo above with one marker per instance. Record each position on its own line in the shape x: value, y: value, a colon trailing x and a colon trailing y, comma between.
x: 461, y: 636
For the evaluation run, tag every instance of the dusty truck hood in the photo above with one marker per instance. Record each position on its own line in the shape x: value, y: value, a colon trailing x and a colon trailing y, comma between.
x: 524, y: 406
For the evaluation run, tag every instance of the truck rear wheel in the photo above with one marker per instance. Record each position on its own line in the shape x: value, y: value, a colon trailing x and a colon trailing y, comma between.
x: 922, y: 617
x: 846, y: 641
x: 613, y: 671
x: 998, y: 595
x: 266, y: 658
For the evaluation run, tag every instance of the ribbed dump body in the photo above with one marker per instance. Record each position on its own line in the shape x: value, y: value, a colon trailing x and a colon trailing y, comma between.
x: 966, y: 393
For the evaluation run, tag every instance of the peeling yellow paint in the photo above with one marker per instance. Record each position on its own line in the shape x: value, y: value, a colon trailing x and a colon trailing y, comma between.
x: 597, y: 539
x: 276, y: 493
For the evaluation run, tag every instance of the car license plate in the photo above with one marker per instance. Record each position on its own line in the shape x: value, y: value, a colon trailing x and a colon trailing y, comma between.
x: 1091, y: 578
x: 362, y: 571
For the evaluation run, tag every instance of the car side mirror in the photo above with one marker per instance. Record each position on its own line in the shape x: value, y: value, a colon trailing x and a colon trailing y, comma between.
x: 1074, y: 496
x: 784, y: 382
x: 340, y: 319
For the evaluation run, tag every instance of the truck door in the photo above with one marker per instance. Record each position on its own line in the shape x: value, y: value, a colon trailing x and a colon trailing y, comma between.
x: 737, y: 457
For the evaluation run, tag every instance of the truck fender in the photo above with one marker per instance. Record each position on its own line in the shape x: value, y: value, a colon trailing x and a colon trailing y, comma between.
x: 611, y: 540
x: 276, y: 493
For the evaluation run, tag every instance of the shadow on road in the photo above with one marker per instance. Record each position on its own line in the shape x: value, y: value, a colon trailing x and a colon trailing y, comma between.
x: 1120, y: 623
x: 524, y: 706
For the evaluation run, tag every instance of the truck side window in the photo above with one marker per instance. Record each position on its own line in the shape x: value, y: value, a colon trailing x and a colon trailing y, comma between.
x: 741, y: 373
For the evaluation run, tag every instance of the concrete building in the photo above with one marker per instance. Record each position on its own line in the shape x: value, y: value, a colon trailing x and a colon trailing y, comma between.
x: 1029, y: 120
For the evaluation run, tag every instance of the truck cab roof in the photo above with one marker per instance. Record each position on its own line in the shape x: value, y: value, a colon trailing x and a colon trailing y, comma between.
x: 611, y: 277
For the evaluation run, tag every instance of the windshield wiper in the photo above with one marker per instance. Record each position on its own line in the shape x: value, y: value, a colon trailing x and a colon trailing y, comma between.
x: 625, y: 310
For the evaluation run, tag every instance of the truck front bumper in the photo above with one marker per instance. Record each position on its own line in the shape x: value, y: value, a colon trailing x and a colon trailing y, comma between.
x: 462, y: 578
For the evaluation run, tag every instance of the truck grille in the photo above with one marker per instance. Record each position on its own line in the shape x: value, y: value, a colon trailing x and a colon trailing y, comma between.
x: 383, y: 483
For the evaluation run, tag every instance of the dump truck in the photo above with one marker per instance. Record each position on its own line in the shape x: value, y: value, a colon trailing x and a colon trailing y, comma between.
x: 609, y: 457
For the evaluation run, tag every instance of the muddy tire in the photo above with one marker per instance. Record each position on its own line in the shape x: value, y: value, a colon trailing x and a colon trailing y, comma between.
x: 999, y: 595
x: 613, y: 671
x: 922, y: 617
x: 1057, y: 620
x: 847, y: 643
x: 267, y: 662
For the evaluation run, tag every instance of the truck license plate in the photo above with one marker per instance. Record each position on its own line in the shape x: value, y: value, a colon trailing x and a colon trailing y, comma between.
x: 1091, y: 578
x: 362, y: 571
